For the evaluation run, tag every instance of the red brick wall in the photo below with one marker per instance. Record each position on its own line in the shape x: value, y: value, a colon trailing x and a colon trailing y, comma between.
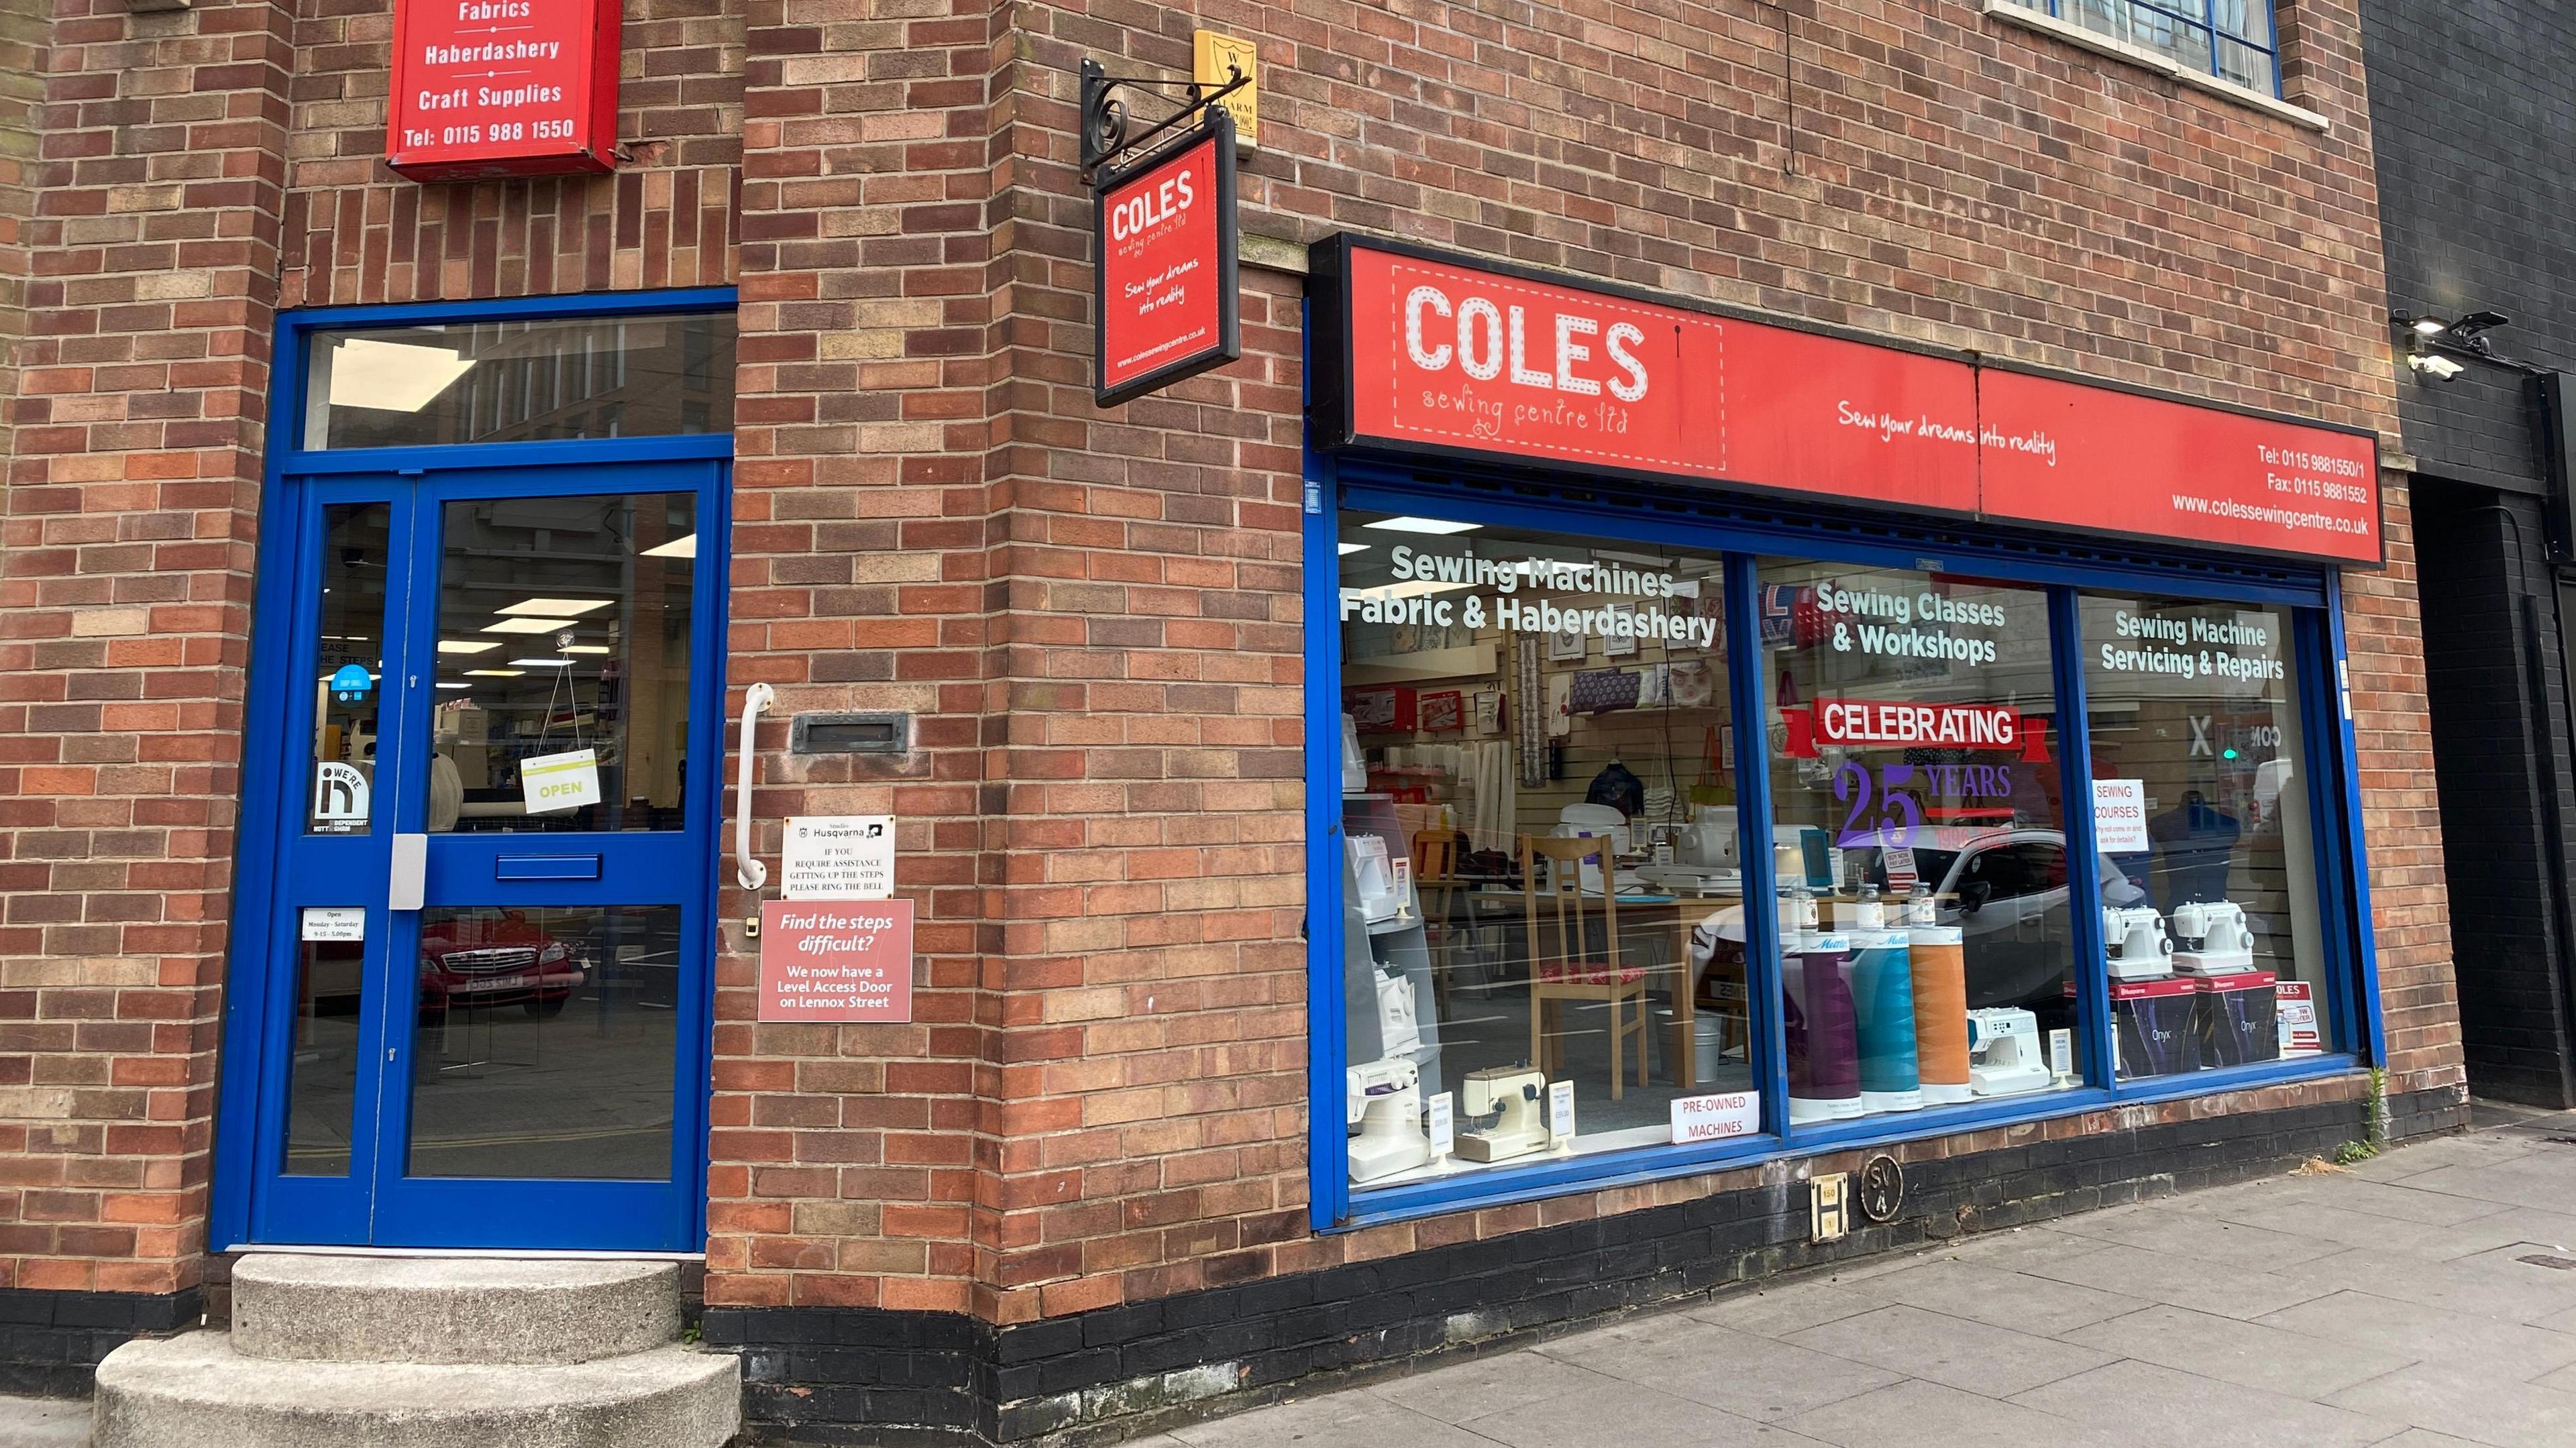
x: 1094, y: 617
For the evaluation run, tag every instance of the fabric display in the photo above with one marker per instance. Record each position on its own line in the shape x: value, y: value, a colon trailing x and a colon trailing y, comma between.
x: 1560, y: 709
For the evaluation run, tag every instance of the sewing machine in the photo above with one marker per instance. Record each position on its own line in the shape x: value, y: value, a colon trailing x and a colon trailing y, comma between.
x: 1385, y: 1104
x: 2214, y: 940
x: 1518, y: 1092
x: 2004, y: 1055
x: 1399, y: 1018
x: 2134, y: 938
x: 1704, y: 855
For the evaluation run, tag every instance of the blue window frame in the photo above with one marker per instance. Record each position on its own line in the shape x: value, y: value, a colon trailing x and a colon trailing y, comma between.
x: 630, y: 873
x: 1581, y: 509
x: 2229, y: 40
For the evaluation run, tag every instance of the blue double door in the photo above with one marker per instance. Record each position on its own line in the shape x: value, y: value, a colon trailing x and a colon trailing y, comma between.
x: 471, y: 962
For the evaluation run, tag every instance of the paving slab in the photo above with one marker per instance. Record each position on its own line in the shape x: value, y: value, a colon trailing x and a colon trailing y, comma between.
x: 1792, y: 1307
x: 1928, y: 1415
x: 2017, y: 1300
x: 1954, y: 1352
x: 44, y: 1422
x: 2275, y: 1359
x: 2429, y: 1334
x: 2198, y: 1235
x: 1488, y: 1385
x: 2178, y: 1407
x: 1741, y: 1373
x: 2223, y: 1288
x: 1630, y: 1416
x: 2454, y: 1398
x: 2460, y: 1285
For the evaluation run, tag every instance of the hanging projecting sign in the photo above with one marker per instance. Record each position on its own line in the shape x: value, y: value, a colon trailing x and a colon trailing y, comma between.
x: 1419, y: 351
x: 485, y: 88
x: 1165, y: 289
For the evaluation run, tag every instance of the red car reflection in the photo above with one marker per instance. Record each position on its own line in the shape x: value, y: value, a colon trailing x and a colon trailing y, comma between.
x: 492, y: 959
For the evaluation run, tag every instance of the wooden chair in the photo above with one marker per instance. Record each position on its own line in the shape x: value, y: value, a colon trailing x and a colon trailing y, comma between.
x: 1435, y: 875
x: 1563, y: 965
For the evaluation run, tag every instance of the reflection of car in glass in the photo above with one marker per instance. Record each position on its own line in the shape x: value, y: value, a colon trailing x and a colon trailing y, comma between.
x: 2006, y: 891
x: 495, y: 958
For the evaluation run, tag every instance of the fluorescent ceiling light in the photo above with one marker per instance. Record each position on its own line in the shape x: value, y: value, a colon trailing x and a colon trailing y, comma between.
x: 588, y: 649
x: 685, y: 546
x: 391, y: 376
x: 543, y: 663
x: 527, y: 625
x: 460, y: 684
x: 494, y: 673
x: 467, y: 646
x: 1424, y: 525
x: 1411, y: 588
x: 1350, y: 548
x: 571, y: 607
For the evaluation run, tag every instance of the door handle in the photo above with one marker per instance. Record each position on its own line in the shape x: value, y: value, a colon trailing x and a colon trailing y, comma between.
x: 407, y: 874
x: 750, y: 873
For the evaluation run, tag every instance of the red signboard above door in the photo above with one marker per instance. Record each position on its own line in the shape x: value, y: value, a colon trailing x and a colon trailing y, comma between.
x: 1451, y: 356
x: 485, y: 88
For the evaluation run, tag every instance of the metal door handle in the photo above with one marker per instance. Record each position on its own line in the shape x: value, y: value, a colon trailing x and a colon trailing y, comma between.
x: 750, y: 873
x: 407, y: 874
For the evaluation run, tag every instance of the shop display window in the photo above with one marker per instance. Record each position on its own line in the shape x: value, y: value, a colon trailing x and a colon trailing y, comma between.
x: 1918, y: 831
x: 1541, y: 845
x: 1546, y: 953
x: 2203, y: 812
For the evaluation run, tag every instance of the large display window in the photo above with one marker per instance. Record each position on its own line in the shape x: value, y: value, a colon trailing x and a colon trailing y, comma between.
x: 1670, y: 846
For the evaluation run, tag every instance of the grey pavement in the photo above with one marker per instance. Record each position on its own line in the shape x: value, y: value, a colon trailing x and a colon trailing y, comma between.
x: 2388, y: 1304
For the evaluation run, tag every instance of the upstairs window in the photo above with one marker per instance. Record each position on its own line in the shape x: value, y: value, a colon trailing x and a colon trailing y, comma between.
x: 2228, y: 40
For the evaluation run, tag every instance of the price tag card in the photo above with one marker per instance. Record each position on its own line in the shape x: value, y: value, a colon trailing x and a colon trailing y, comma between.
x: 1716, y: 1116
x: 1560, y: 1111
x: 1444, y: 1125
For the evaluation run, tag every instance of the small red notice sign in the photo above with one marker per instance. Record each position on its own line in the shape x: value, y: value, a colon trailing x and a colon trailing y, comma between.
x: 1167, y: 298
x: 836, y: 960
x: 487, y: 88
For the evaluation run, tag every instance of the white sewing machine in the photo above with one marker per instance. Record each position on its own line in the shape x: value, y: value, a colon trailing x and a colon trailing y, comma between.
x: 2214, y: 939
x: 2134, y: 938
x: 1385, y: 1103
x: 1518, y: 1092
x: 2004, y: 1056
x: 1399, y: 1016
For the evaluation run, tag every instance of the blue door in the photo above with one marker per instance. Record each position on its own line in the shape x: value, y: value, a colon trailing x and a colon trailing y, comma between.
x: 471, y: 965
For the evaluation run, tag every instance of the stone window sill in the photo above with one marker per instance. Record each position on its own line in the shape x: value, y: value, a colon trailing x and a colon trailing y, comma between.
x: 2164, y: 65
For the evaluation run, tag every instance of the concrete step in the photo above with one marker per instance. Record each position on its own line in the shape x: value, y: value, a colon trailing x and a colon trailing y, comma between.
x: 450, y: 1309
x: 195, y: 1391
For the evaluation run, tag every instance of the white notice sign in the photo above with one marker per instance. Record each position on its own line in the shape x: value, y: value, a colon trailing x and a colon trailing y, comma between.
x: 837, y: 857
x: 2120, y: 816
x: 1716, y: 1116
x: 334, y: 924
x: 559, y: 781
x: 1444, y: 1125
x: 1560, y: 1112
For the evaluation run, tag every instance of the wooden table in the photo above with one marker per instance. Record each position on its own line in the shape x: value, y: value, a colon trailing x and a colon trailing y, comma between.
x: 1677, y: 913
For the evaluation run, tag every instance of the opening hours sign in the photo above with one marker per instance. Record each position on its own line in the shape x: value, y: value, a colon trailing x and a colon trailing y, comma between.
x: 486, y: 88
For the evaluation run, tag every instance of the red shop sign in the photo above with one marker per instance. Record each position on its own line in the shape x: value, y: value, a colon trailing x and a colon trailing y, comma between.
x: 1166, y: 288
x: 836, y: 960
x: 485, y: 88
x: 1451, y: 356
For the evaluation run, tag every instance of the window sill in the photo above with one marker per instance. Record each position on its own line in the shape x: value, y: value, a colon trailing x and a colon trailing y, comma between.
x: 2164, y: 65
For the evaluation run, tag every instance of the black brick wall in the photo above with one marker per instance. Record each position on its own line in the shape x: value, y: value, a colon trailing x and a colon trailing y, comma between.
x: 2490, y: 645
x: 51, y: 1342
x: 855, y: 1375
x: 2473, y: 120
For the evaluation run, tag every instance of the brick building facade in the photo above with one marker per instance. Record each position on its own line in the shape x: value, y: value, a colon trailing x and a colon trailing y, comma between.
x: 1082, y: 1169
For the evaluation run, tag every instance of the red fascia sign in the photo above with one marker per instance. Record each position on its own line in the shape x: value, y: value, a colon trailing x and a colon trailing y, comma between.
x: 1165, y: 288
x: 1459, y: 357
x: 486, y: 88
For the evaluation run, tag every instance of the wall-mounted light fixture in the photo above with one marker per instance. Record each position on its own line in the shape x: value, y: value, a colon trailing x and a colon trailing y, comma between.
x: 2439, y: 349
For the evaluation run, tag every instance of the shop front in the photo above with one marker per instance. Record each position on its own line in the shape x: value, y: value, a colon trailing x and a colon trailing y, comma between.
x: 1733, y: 741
